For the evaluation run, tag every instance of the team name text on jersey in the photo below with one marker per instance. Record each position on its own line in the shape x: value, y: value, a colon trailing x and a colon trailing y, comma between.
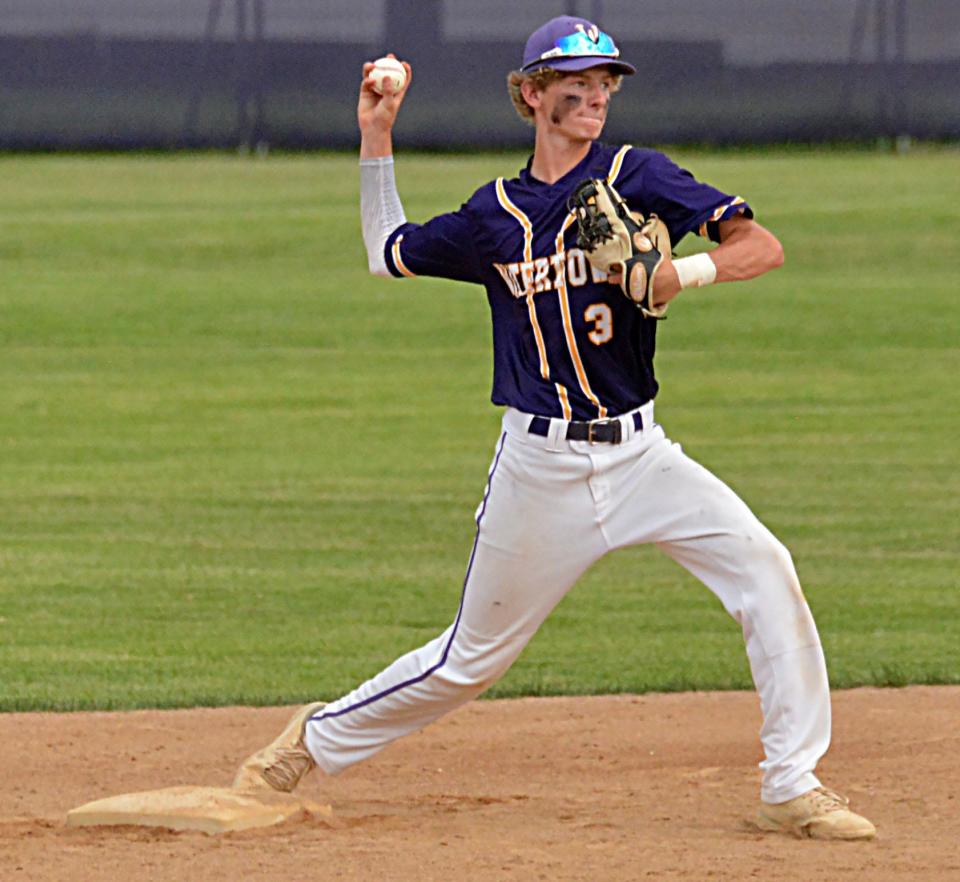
x: 527, y: 277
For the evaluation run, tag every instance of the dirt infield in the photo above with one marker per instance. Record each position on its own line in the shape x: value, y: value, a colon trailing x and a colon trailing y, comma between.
x: 611, y: 788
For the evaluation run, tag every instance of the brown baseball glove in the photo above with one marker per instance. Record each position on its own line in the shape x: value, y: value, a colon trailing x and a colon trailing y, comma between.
x: 617, y: 240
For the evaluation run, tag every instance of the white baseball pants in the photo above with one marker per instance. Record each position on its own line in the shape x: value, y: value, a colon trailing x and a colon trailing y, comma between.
x: 551, y: 509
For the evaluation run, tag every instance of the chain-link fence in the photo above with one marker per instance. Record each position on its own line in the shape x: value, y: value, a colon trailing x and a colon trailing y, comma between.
x: 175, y: 73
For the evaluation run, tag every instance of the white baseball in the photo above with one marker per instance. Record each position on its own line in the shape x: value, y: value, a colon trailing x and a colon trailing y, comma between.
x: 388, y: 68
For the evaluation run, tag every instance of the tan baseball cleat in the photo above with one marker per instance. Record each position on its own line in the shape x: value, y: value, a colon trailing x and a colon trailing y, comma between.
x: 284, y: 762
x: 817, y: 814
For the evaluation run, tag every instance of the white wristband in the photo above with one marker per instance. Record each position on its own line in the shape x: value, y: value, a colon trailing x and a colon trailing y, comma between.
x: 696, y: 271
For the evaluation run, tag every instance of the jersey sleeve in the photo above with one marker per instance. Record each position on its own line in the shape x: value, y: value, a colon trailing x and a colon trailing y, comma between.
x: 443, y: 247
x: 685, y: 204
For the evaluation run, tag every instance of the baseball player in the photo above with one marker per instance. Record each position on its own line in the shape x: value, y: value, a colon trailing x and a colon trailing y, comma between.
x: 577, y: 273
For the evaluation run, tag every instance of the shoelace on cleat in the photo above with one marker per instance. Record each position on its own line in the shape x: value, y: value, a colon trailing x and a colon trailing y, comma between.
x: 829, y: 800
x: 289, y: 766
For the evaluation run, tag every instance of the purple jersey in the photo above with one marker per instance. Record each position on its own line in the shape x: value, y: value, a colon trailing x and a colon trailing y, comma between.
x: 566, y: 343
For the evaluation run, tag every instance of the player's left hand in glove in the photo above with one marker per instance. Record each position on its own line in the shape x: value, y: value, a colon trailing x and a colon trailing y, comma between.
x: 619, y: 241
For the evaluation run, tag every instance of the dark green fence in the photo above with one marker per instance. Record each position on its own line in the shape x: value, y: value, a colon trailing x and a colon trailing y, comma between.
x: 249, y: 73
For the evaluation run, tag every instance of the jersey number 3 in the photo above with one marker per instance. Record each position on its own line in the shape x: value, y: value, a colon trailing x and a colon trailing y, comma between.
x: 602, y: 318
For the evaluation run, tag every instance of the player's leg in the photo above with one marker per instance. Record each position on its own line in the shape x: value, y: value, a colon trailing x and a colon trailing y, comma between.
x: 532, y: 543
x: 753, y: 575
x: 667, y: 498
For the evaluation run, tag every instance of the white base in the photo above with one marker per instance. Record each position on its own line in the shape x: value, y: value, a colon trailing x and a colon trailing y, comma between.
x: 208, y: 809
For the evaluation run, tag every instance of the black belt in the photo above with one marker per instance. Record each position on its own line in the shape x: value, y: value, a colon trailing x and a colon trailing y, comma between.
x: 594, y: 431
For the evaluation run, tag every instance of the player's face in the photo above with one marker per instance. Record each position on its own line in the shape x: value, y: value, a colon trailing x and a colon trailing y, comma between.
x: 577, y: 105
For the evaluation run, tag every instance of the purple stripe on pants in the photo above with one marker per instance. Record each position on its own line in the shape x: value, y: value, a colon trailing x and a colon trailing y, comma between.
x: 453, y: 635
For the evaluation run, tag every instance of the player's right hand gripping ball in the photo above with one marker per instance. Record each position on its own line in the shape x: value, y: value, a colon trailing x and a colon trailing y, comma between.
x: 616, y: 239
x: 388, y: 69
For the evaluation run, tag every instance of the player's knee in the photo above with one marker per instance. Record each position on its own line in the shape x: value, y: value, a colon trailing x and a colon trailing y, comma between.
x: 477, y: 666
x: 769, y: 559
x: 779, y: 556
x: 469, y: 675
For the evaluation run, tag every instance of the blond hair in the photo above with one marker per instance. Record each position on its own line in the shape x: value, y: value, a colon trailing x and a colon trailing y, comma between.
x: 540, y: 79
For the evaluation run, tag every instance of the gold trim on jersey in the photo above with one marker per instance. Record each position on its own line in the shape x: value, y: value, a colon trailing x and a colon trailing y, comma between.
x: 523, y: 220
x: 527, y: 227
x: 398, y: 260
x: 718, y: 213
x: 538, y: 334
x: 564, y: 401
x: 568, y: 324
x: 617, y: 163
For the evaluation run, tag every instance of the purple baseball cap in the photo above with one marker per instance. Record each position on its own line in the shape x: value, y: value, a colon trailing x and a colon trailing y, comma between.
x: 571, y: 43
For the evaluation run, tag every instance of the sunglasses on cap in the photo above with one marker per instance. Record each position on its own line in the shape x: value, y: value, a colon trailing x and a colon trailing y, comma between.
x: 578, y: 45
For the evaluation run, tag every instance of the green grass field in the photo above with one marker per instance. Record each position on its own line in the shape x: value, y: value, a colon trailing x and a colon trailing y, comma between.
x: 236, y: 468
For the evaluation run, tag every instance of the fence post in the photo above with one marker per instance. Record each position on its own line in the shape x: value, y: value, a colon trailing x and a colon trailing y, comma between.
x: 241, y: 76
x: 203, y: 70
x: 883, y: 70
x: 259, y: 75
x: 901, y: 109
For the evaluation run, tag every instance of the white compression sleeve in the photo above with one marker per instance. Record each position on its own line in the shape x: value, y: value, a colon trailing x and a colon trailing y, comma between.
x: 380, y: 209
